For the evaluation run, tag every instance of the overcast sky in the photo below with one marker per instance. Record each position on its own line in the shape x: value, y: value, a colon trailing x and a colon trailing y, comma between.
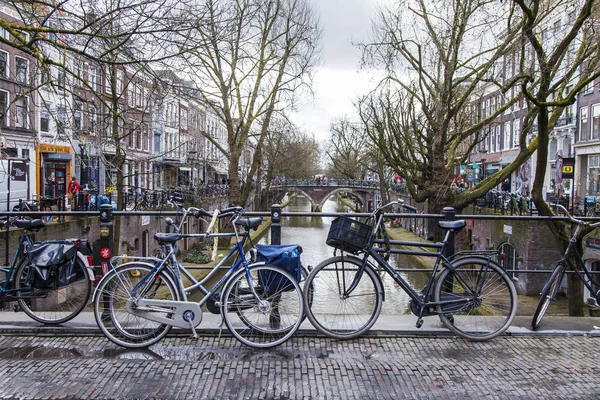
x: 338, y: 80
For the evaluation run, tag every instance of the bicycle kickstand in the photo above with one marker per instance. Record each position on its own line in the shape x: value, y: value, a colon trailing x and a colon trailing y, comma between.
x: 188, y: 316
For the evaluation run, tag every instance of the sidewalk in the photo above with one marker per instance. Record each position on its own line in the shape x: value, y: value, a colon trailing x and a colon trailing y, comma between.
x: 386, y: 325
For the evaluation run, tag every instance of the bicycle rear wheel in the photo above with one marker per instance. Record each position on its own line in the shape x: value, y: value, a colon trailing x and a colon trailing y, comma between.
x: 265, y: 311
x: 52, y: 305
x: 335, y: 313
x: 484, y: 298
x: 113, y: 298
x: 548, y: 294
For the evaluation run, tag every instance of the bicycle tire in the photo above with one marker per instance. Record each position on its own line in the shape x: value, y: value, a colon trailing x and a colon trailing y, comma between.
x: 304, y: 274
x: 548, y: 294
x: 491, y: 304
x: 111, y: 301
x: 269, y: 320
x: 52, y: 306
x: 337, y: 316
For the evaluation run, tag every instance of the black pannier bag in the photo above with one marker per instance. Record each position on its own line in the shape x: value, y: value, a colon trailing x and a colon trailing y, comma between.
x: 53, y: 265
x: 284, y: 256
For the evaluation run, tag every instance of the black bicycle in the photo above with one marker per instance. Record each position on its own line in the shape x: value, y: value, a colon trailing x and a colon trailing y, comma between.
x: 553, y: 286
x: 472, y: 295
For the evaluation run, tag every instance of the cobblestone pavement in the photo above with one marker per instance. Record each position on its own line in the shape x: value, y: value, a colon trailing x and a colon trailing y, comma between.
x: 38, y: 367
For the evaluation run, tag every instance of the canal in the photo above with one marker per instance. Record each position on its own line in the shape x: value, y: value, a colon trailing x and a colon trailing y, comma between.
x: 311, y: 234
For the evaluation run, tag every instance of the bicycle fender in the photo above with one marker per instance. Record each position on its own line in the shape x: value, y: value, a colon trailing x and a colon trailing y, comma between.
x: 89, y: 270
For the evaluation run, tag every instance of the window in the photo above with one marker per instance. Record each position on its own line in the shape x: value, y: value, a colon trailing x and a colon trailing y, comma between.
x: 140, y: 97
x: 4, y: 112
x: 516, y: 129
x: 21, y: 113
x: 138, y: 137
x: 145, y: 137
x: 78, y: 115
x: 497, y: 144
x: 556, y: 27
x: 130, y: 134
x: 506, y: 144
x: 94, y: 74
x: 44, y: 77
x: 61, y: 119
x: 62, y: 79
x: 553, y: 149
x: 21, y: 69
x: 588, y: 88
x: 131, y: 94
x: 44, y: 121
x: 92, y: 119
x: 596, y: 121
x: 4, y: 33
x: 4, y: 66
x: 583, y: 123
x: 119, y: 82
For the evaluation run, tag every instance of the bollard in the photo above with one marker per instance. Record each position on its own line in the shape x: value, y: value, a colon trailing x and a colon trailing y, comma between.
x: 106, y: 244
x: 449, y: 215
x: 276, y: 224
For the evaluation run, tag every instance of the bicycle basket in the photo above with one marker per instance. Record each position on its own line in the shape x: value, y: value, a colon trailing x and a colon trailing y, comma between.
x: 284, y: 256
x: 349, y: 235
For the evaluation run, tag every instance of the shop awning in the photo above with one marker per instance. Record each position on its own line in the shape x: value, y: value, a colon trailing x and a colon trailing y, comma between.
x: 219, y: 170
x: 184, y: 168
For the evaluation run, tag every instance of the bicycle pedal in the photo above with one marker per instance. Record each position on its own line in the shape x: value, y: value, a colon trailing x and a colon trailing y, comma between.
x: 419, y: 323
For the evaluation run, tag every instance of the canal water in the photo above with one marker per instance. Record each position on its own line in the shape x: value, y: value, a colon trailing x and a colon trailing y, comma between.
x: 311, y: 234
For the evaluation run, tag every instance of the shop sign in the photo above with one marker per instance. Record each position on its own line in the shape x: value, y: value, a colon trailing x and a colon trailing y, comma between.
x: 568, y: 168
x: 53, y: 148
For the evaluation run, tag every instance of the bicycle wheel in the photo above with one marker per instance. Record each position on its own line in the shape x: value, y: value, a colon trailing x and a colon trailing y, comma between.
x: 267, y: 313
x: 48, y: 305
x: 113, y: 299
x: 485, y: 299
x: 340, y: 315
x: 548, y: 294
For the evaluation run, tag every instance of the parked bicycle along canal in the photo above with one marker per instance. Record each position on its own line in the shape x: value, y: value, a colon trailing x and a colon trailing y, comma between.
x: 311, y: 234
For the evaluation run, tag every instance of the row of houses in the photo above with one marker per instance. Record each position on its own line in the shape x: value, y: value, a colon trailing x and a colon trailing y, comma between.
x: 69, y: 122
x: 575, y: 137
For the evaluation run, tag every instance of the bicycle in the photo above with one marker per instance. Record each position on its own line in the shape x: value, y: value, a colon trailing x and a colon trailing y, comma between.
x: 472, y: 295
x: 50, y: 294
x: 553, y: 285
x: 138, y: 302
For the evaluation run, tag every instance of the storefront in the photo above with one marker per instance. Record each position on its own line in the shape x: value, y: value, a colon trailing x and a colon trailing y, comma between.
x: 55, y: 169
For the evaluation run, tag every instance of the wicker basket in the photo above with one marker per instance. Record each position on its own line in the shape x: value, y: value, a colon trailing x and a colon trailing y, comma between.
x: 349, y: 235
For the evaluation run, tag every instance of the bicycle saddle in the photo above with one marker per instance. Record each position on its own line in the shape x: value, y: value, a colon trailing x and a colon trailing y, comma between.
x: 167, y: 237
x: 29, y: 224
x: 249, y: 222
x: 454, y: 225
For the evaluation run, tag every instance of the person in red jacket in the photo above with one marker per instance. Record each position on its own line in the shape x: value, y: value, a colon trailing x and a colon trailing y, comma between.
x: 73, y: 191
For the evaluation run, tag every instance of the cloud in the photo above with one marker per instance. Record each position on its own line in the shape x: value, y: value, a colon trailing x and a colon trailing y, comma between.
x: 336, y: 89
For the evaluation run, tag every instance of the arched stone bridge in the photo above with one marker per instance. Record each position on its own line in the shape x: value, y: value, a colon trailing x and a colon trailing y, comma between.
x: 318, y: 192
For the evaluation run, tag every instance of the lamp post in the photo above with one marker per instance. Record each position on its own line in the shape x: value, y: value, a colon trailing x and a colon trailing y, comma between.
x: 482, y: 157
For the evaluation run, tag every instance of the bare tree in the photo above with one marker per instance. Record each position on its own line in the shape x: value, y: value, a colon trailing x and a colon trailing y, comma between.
x: 251, y: 58
x: 436, y: 55
x: 348, y: 149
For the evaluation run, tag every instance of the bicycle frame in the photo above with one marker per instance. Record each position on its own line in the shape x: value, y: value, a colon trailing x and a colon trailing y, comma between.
x: 183, y: 310
x: 579, y: 268
x: 423, y: 301
x: 24, y: 242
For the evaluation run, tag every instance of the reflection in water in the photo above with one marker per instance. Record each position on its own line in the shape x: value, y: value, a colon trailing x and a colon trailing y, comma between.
x: 311, y: 233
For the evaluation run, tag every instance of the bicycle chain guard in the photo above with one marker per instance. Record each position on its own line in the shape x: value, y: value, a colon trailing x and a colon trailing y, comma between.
x: 174, y: 313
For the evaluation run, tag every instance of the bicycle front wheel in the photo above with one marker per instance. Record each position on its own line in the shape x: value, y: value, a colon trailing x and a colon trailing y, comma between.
x: 52, y: 305
x: 548, y: 294
x: 113, y: 301
x: 332, y: 310
x: 480, y: 299
x: 264, y: 310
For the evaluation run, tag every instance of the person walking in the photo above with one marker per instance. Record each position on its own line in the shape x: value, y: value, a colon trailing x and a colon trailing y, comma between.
x: 74, y: 188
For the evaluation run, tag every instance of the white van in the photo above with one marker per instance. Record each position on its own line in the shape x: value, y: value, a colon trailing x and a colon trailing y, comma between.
x: 17, y: 179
